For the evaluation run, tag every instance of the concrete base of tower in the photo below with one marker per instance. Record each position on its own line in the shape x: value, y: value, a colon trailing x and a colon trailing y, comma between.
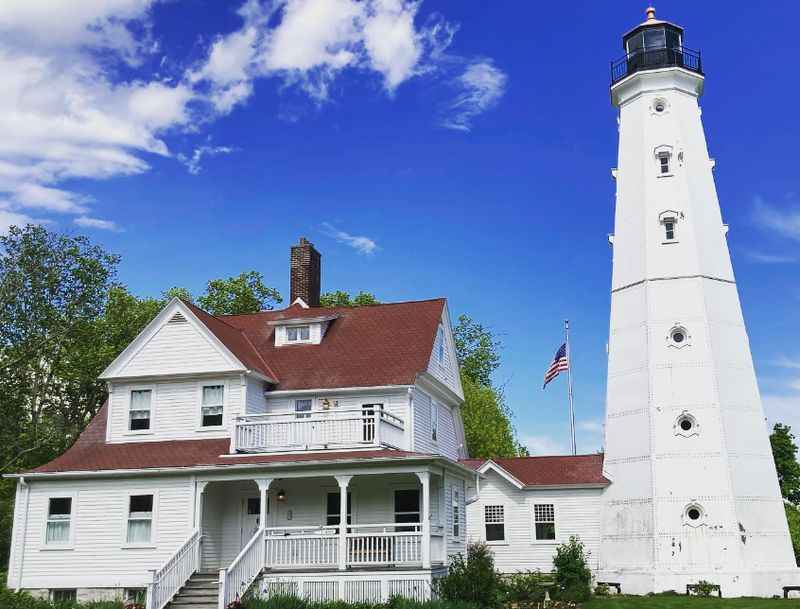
x: 733, y: 583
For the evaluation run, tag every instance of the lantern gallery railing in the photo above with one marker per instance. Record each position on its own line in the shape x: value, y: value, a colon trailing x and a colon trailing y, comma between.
x: 654, y: 58
x: 305, y: 430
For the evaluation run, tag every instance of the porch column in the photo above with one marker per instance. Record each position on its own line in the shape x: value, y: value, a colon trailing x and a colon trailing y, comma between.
x: 199, y: 495
x: 263, y: 488
x: 344, y: 482
x: 425, y: 479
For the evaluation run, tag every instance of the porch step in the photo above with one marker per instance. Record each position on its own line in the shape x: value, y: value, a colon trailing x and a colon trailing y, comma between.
x: 200, y: 592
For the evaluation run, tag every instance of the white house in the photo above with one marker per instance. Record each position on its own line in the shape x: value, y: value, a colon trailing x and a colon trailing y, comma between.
x: 232, y: 448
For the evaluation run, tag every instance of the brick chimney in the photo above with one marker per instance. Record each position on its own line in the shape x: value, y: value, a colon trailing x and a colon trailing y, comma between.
x: 305, y: 273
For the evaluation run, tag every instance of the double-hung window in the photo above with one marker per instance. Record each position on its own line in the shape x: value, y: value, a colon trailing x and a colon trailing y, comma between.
x: 213, y: 401
x: 333, y: 516
x: 140, y: 519
x: 406, y: 508
x: 302, y: 409
x: 544, y: 518
x: 59, y: 521
x: 456, y: 517
x: 139, y: 410
x: 297, y: 334
x: 494, y: 519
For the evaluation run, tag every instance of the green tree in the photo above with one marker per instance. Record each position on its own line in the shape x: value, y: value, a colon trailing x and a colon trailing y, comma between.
x: 244, y: 293
x: 477, y: 349
x: 340, y: 298
x: 784, y: 451
x: 793, y: 519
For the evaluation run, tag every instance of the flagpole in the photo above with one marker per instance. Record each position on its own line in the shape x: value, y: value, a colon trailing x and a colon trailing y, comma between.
x: 569, y: 385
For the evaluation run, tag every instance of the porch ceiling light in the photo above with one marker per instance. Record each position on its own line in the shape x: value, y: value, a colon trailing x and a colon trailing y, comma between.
x: 281, y: 495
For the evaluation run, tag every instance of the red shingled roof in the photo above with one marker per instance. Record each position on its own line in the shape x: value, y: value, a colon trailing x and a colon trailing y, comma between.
x: 388, y: 344
x: 91, y: 453
x: 550, y: 471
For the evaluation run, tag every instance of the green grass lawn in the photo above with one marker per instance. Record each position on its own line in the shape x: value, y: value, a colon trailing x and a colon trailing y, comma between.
x: 687, y: 602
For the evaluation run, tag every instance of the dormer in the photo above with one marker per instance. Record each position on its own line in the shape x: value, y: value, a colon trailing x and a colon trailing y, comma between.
x: 301, y: 330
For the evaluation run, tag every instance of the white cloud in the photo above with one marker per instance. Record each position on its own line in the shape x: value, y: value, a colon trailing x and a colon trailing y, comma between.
x: 786, y: 362
x: 785, y: 222
x: 88, y: 222
x: 481, y: 86
x: 363, y: 245
x: 193, y: 162
x: 545, y: 445
x: 762, y: 258
x: 10, y: 218
x: 592, y: 426
x: 782, y: 408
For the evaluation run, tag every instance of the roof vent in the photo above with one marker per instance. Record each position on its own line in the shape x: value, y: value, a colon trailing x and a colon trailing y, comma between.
x: 178, y: 318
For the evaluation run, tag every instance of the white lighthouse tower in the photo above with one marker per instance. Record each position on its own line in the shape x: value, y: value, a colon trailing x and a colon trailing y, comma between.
x: 694, y: 493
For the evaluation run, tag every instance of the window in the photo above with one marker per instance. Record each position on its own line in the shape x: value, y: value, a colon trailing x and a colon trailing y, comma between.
x: 254, y: 506
x: 544, y: 518
x: 694, y: 515
x: 663, y: 162
x: 440, y: 345
x: 669, y: 229
x: 679, y: 337
x: 669, y: 221
x: 59, y: 521
x: 135, y: 595
x: 213, y: 400
x: 302, y: 409
x: 456, y: 519
x: 434, y: 421
x: 139, y: 410
x: 406, y: 508
x: 686, y: 425
x: 332, y: 515
x: 64, y: 596
x: 368, y: 420
x: 140, y: 518
x: 494, y: 518
x: 296, y: 334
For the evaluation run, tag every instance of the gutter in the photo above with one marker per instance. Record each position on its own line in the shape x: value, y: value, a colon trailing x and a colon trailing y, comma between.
x: 284, y: 392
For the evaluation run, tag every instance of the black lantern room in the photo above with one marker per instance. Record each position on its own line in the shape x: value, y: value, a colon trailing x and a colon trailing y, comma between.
x: 654, y: 44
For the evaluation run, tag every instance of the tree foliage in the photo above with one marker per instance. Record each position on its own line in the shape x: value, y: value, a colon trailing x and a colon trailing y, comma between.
x: 244, y: 293
x: 340, y: 298
x: 477, y: 349
x: 784, y: 451
x: 571, y: 572
x: 472, y: 579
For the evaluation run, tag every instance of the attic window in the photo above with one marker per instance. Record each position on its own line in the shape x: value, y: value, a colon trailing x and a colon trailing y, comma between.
x: 298, y: 334
x: 178, y: 318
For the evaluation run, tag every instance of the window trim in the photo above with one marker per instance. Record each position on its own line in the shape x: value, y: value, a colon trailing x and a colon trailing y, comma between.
x: 70, y: 543
x: 153, y: 399
x: 674, y: 217
x: 211, y: 383
x: 536, y: 540
x: 495, y: 542
x: 153, y: 519
x: 455, y: 511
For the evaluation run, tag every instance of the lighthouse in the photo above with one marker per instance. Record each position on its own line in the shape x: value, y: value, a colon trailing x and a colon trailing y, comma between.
x: 694, y: 493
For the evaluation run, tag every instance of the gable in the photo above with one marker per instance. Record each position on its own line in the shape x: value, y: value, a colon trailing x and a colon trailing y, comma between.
x: 443, y: 361
x: 174, y: 343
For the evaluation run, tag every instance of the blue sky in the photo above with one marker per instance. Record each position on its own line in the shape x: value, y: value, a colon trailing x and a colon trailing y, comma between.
x: 454, y: 148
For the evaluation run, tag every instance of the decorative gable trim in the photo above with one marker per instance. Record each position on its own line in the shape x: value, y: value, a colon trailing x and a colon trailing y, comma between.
x: 491, y: 465
x: 174, y: 312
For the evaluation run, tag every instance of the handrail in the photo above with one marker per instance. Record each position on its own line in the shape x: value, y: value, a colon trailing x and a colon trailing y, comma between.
x: 174, y: 573
x: 243, y: 571
x: 653, y: 58
x: 357, y: 413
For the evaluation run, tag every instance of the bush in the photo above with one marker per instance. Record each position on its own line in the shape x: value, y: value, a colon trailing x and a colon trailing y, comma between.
x: 472, y: 580
x: 704, y: 588
x: 293, y: 602
x: 524, y: 587
x: 23, y: 600
x: 573, y: 579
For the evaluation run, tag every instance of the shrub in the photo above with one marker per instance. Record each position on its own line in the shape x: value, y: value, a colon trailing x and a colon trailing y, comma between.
x: 601, y: 590
x: 293, y: 602
x: 704, y: 588
x: 472, y: 580
x: 524, y: 587
x: 23, y: 600
x: 573, y: 579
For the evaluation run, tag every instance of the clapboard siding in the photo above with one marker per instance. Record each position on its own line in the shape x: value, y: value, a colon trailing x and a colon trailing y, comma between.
x: 577, y: 512
x: 447, y: 441
x: 255, y: 402
x: 100, y: 511
x: 445, y: 370
x: 178, y: 348
x: 175, y: 413
x: 455, y: 544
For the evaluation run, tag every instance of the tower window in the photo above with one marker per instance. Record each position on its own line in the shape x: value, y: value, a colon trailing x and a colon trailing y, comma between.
x: 669, y: 230
x: 678, y: 337
x: 686, y: 425
x: 663, y: 162
x: 669, y: 222
x: 694, y: 515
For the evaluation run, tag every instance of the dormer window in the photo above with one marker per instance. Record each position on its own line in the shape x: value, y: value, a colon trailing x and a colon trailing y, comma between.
x: 298, y: 334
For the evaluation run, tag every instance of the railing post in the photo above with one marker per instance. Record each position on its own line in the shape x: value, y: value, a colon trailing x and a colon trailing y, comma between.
x: 151, y: 590
x: 344, y: 482
x: 425, y: 479
x: 222, y: 577
x: 378, y: 424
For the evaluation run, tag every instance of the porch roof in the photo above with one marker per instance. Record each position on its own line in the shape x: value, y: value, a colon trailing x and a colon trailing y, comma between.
x: 91, y: 453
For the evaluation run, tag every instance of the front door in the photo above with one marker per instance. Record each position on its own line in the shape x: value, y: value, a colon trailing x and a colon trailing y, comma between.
x: 251, y: 515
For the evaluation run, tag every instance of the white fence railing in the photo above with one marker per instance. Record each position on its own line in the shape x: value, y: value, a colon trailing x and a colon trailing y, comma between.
x: 242, y: 572
x: 384, y: 544
x: 302, y: 547
x: 174, y: 573
x: 317, y: 429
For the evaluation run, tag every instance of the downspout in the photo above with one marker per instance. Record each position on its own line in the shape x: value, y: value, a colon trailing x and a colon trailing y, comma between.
x: 27, y: 488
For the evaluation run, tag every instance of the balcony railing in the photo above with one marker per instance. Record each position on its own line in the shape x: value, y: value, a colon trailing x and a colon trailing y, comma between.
x: 653, y: 58
x: 348, y: 428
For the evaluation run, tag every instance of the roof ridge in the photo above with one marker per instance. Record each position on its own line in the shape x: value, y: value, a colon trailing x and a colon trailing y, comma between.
x: 347, y: 308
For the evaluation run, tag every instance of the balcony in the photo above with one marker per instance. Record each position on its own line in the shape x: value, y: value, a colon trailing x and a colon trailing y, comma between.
x: 318, y: 430
x: 654, y: 58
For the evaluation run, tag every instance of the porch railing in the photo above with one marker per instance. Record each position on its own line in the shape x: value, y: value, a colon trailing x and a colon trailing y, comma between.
x: 336, y: 428
x: 384, y: 544
x: 174, y: 573
x: 242, y: 572
x: 302, y: 547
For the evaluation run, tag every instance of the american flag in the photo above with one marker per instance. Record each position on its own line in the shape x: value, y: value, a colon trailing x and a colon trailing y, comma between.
x: 560, y: 362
